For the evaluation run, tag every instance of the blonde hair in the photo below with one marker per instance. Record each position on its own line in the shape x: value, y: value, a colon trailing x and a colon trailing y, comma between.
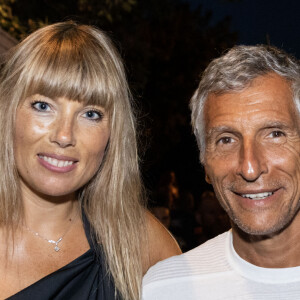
x: 80, y: 62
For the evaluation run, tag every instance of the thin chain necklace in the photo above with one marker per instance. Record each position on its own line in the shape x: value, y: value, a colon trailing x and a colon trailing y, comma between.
x: 56, y: 247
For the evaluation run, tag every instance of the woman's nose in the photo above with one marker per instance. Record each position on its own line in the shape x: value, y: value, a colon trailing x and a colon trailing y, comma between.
x: 63, y: 132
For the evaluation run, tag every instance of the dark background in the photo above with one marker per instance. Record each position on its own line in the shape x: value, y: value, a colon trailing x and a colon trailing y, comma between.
x: 165, y: 45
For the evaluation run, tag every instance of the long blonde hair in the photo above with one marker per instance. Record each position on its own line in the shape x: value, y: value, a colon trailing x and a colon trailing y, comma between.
x: 80, y: 62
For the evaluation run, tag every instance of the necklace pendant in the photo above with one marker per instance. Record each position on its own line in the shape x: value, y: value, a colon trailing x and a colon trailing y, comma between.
x: 56, y: 247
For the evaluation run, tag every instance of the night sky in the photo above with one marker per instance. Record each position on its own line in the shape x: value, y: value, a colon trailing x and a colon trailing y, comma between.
x: 254, y: 20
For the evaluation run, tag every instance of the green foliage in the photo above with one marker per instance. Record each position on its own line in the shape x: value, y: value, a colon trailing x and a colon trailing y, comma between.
x: 20, y: 17
x: 108, y: 10
x: 8, y: 21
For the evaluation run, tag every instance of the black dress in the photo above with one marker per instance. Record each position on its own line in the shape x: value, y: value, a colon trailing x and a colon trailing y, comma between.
x: 84, y: 278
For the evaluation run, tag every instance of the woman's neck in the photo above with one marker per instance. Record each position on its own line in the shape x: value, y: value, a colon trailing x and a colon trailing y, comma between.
x: 48, y: 214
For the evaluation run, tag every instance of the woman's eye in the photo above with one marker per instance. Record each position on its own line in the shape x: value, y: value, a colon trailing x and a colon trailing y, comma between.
x: 93, y: 115
x: 40, y: 106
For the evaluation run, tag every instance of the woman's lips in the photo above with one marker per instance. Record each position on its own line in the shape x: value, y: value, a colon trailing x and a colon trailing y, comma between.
x: 57, y: 163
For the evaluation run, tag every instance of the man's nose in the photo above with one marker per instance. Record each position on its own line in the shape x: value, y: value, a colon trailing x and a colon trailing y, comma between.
x: 63, y: 132
x: 252, y: 162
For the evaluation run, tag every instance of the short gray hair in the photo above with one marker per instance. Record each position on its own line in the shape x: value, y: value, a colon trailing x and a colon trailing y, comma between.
x: 234, y: 71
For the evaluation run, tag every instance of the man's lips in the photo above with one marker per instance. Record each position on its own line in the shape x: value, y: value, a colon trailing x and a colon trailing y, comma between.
x: 256, y: 195
x: 252, y: 199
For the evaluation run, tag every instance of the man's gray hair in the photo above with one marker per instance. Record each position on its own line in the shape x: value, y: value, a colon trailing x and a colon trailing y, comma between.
x: 234, y: 71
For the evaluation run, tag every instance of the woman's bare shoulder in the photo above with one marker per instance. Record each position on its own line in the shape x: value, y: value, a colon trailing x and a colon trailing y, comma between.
x: 160, y: 244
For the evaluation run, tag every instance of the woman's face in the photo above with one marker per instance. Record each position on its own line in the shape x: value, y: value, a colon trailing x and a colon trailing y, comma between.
x: 59, y: 144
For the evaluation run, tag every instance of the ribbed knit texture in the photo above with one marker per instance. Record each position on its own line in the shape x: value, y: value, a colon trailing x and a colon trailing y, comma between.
x: 215, y: 271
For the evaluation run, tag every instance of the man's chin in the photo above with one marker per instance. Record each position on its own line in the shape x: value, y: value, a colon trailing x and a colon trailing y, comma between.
x: 258, y: 232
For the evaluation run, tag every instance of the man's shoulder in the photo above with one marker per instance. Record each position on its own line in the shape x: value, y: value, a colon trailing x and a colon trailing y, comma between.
x: 207, y: 258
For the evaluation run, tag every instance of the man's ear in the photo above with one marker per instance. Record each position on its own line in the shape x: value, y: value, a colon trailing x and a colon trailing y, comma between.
x: 207, y: 179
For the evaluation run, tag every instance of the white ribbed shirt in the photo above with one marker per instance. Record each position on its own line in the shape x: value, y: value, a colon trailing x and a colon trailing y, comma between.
x: 215, y: 271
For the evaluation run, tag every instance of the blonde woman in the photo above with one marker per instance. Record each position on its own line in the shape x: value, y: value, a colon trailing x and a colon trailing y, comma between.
x: 73, y: 222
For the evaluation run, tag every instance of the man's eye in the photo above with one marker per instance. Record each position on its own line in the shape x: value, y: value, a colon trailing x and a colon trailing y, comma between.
x: 277, y: 134
x: 93, y: 115
x: 40, y: 106
x: 225, y: 140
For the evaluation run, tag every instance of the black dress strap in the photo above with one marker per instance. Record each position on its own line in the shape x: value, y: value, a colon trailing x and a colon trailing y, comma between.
x: 85, y: 278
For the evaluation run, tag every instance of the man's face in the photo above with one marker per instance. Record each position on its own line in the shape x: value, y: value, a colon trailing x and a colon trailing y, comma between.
x: 252, y: 154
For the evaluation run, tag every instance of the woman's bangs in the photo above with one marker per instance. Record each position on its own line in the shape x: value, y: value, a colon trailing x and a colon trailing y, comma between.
x: 65, y: 73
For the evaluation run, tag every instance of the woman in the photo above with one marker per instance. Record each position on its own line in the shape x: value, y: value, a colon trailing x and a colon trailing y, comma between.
x: 73, y: 224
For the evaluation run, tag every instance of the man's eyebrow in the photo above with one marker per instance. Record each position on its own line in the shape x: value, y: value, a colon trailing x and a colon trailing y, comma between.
x: 275, y: 124
x: 220, y: 129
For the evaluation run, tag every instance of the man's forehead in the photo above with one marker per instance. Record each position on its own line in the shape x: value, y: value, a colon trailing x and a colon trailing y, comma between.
x: 267, y: 95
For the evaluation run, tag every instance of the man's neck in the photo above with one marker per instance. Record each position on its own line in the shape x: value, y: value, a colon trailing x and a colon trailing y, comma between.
x: 280, y: 250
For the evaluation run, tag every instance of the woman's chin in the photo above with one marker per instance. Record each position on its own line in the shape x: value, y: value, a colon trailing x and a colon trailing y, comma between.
x: 50, y: 191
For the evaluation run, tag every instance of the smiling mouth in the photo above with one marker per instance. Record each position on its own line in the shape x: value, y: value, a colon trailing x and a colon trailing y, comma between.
x: 57, y: 162
x: 257, y: 196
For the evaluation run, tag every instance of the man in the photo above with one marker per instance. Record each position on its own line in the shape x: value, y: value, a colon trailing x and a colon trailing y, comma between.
x: 246, y: 118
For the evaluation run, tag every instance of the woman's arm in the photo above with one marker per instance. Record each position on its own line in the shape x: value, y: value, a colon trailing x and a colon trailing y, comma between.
x: 160, y: 244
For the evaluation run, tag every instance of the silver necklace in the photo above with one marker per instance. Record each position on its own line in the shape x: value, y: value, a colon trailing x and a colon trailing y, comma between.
x: 56, y: 247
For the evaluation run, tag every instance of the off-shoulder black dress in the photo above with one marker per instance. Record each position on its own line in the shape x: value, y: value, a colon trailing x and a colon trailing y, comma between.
x: 85, y: 278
